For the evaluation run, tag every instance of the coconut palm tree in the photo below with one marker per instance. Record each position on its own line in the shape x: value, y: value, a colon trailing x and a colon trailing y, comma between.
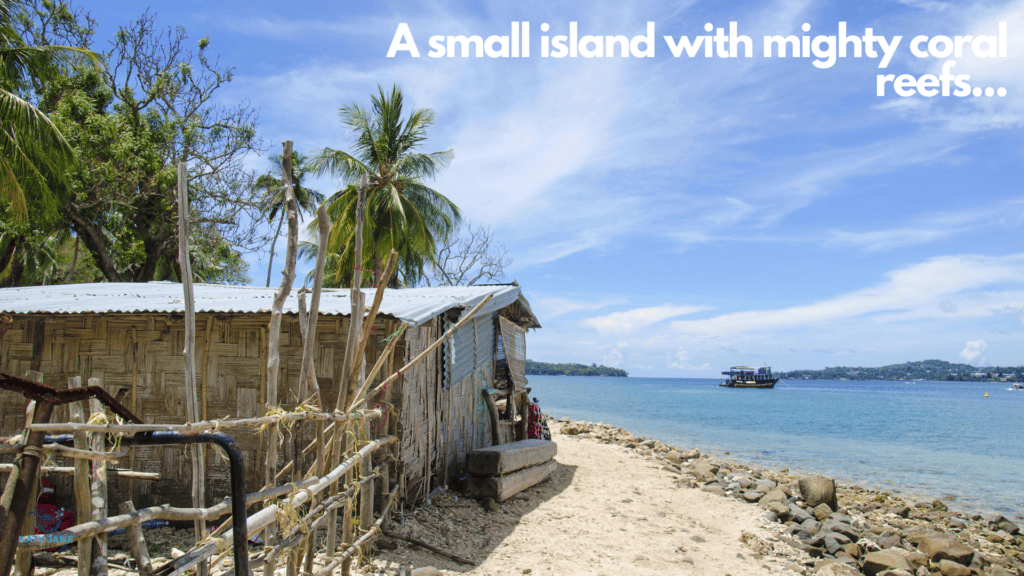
x: 402, y: 213
x: 306, y: 199
x: 34, y: 156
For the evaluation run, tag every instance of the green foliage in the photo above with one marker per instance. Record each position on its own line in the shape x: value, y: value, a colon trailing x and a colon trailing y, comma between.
x: 930, y: 370
x: 548, y: 369
x: 34, y: 156
x: 402, y: 213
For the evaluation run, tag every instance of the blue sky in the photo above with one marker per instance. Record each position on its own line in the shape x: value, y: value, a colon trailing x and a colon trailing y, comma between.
x: 675, y: 216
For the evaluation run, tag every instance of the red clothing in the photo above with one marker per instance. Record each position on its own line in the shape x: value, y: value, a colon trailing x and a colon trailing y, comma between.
x: 534, y: 429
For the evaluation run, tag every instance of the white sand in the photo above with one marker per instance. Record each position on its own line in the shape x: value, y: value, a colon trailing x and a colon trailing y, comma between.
x: 607, y: 510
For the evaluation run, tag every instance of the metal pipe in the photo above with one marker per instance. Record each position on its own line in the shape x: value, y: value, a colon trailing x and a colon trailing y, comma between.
x: 238, y: 515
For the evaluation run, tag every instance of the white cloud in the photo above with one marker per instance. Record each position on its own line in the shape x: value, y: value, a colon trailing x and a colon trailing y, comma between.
x: 920, y: 287
x: 682, y: 362
x: 552, y: 306
x: 630, y: 321
x: 974, y: 349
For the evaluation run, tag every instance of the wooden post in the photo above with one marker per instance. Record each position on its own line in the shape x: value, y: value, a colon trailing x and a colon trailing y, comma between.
x: 98, y: 490
x: 191, y: 394
x: 23, y: 559
x: 273, y: 352
x: 83, y: 498
x: 137, y: 542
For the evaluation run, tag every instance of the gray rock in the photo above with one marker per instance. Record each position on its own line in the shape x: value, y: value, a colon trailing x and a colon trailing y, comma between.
x: 426, y: 571
x: 813, y: 551
x: 950, y: 568
x: 767, y: 485
x: 775, y: 495
x: 714, y: 489
x: 691, y: 454
x: 817, y: 490
x: 838, y: 569
x: 674, y: 457
x: 939, y: 549
x: 832, y: 545
x: 780, y: 510
x: 799, y: 514
x: 752, y: 496
x: 704, y: 470
x: 822, y: 512
x: 833, y: 525
x: 877, y: 562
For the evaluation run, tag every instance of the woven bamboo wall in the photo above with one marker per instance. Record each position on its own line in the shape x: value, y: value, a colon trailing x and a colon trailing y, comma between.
x: 140, y: 356
x: 439, y: 427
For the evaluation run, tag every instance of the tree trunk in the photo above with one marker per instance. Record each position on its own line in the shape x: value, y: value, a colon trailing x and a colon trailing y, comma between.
x: 93, y: 239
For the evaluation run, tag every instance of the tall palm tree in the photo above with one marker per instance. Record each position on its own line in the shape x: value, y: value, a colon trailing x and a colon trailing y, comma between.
x: 402, y: 213
x: 34, y: 156
x: 274, y: 206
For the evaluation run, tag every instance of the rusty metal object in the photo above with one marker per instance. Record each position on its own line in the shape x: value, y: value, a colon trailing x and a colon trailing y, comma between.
x: 53, y: 397
x: 17, y: 494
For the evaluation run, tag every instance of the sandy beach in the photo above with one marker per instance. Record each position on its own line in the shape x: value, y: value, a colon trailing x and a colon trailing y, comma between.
x: 607, y: 510
x: 622, y: 504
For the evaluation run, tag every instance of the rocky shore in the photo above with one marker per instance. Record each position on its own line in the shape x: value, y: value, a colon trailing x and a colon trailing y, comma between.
x: 841, y: 530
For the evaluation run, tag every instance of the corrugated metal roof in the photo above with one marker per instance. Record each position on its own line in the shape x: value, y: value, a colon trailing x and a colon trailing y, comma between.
x: 414, y: 305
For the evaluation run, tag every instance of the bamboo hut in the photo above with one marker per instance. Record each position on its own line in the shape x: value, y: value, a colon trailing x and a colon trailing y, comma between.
x: 131, y: 337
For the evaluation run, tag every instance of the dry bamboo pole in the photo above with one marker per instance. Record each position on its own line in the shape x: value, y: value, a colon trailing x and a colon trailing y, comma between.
x: 371, y: 317
x: 273, y: 353
x: 366, y: 493
x: 451, y: 331
x: 307, y: 374
x: 354, y: 326
x: 98, y: 490
x: 71, y: 470
x: 137, y: 542
x: 23, y: 559
x: 360, y: 394
x: 364, y: 539
x: 191, y: 394
x: 83, y: 499
x: 265, y: 517
x: 200, y: 427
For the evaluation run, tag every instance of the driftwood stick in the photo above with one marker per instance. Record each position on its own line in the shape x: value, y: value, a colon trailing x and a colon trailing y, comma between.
x: 307, y: 373
x: 83, y: 498
x: 136, y: 541
x: 430, y: 547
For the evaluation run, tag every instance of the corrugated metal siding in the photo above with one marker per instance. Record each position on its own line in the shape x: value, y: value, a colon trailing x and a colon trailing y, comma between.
x: 414, y: 305
x: 474, y: 347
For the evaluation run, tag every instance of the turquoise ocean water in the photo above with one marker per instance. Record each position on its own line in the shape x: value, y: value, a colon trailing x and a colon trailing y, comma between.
x: 924, y: 440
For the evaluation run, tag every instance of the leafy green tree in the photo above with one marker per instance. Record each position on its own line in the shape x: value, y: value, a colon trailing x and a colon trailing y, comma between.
x: 150, y: 108
x: 306, y: 199
x: 35, y: 158
x: 403, y: 213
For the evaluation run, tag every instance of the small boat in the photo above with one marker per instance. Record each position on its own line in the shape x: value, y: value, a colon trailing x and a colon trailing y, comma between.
x: 1017, y: 386
x: 749, y: 377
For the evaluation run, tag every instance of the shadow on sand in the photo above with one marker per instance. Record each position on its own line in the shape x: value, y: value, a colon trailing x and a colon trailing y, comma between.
x: 464, y: 527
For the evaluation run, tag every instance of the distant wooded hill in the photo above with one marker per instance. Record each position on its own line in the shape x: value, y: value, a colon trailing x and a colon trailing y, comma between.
x: 547, y: 369
x: 922, y: 370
